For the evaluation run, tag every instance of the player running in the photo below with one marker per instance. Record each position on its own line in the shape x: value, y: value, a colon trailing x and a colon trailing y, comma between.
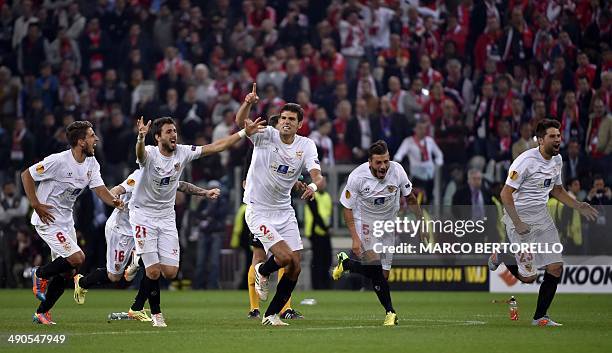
x: 259, y: 254
x: 279, y: 156
x: 372, y: 193
x: 62, y: 178
x: 120, y: 243
x: 151, y: 207
x: 534, y: 175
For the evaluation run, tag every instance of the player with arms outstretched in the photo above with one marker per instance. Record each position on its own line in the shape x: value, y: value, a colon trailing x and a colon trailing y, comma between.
x: 152, y: 214
x: 120, y: 243
x: 534, y: 175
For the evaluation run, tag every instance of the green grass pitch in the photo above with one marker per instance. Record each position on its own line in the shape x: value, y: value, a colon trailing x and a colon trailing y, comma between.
x: 341, y: 321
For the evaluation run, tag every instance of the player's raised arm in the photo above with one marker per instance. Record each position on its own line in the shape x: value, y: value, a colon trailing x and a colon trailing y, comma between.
x: 583, y: 208
x: 251, y: 127
x: 141, y: 153
x: 30, y: 189
x: 107, y: 197
x: 191, y: 189
x: 243, y: 112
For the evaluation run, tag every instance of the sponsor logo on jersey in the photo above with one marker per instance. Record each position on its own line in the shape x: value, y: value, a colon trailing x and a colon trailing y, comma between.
x: 379, y: 201
x: 347, y: 194
x: 283, y: 169
x: 391, y: 188
x: 513, y: 175
x: 547, y: 182
x: 131, y: 182
x: 40, y: 169
x: 164, y: 181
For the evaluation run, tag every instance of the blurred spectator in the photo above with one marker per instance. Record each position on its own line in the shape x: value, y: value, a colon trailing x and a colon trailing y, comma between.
x: 294, y: 82
x: 361, y: 131
x: 423, y: 154
x: 324, y: 143
x: 526, y: 141
x: 95, y: 46
x: 116, y: 140
x: 25, y: 255
x: 23, y: 148
x: 600, y: 197
x: 210, y: 219
x: 13, y: 206
x: 272, y: 75
x: 223, y: 129
x: 31, y: 52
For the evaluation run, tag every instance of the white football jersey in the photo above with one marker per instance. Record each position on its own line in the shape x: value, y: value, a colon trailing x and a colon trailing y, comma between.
x: 155, y: 194
x: 62, y: 179
x: 533, y: 177
x: 120, y: 219
x: 373, y: 199
x: 275, y: 168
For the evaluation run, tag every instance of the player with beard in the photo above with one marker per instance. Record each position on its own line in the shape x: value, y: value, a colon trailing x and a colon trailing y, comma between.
x: 62, y: 178
x: 534, y: 175
x: 372, y: 194
x: 120, y: 243
x: 152, y: 214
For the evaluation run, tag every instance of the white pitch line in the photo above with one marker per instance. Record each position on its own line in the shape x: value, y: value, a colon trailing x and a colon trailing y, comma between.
x: 441, y: 323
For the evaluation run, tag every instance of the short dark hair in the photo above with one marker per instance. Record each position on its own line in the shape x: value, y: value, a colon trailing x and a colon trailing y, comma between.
x: 158, y: 123
x: 379, y: 148
x: 76, y: 131
x: 295, y: 108
x: 544, y: 125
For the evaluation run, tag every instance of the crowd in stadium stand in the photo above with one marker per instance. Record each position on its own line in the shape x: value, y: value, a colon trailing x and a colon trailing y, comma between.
x: 451, y: 86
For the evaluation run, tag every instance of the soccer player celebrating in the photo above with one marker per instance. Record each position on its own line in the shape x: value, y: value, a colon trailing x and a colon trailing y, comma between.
x: 152, y: 205
x: 279, y: 156
x: 120, y: 243
x: 62, y: 178
x: 534, y: 175
x: 259, y: 254
x: 372, y: 193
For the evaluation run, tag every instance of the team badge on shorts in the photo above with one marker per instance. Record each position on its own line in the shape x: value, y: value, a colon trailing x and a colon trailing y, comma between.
x: 117, y: 267
x: 141, y: 243
x: 177, y: 167
x: 513, y: 175
x: 528, y: 267
x: 66, y: 246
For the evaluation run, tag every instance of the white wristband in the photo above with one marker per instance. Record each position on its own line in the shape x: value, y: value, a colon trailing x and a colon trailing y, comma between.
x: 242, y: 133
x: 313, y: 186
